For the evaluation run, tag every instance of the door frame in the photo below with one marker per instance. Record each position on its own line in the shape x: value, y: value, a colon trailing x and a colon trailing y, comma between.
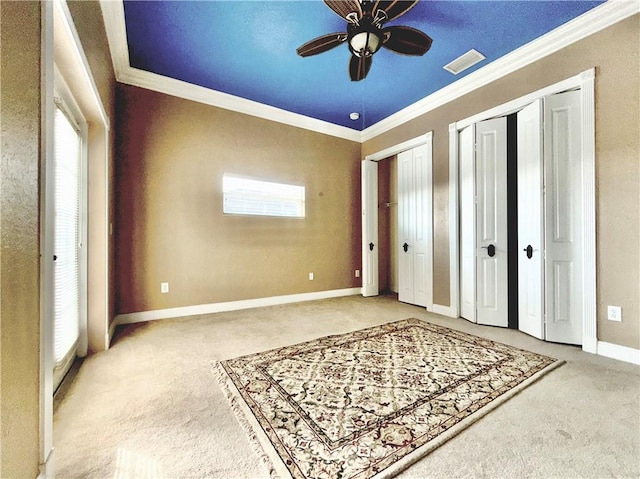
x: 62, y: 49
x: 585, y: 83
x: 427, y: 138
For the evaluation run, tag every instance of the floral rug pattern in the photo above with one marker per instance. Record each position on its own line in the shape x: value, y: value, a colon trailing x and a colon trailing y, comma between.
x: 352, y: 405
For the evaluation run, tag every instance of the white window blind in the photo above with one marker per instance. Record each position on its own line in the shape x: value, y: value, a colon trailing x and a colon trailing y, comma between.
x: 67, y: 236
x: 244, y: 196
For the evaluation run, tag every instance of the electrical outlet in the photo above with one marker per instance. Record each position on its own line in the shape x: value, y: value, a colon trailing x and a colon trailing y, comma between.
x: 310, y: 276
x: 357, y: 273
x: 614, y: 313
x: 164, y: 287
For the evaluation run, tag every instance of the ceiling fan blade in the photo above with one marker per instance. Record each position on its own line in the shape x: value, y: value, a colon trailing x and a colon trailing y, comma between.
x: 406, y: 40
x: 359, y: 67
x: 393, y: 8
x: 346, y: 7
x: 321, y: 44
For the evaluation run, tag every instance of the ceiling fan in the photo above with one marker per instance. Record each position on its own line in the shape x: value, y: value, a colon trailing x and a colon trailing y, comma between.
x: 366, y: 35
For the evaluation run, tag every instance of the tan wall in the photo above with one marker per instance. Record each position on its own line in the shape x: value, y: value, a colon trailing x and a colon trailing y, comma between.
x: 172, y: 154
x: 615, y: 54
x: 19, y: 231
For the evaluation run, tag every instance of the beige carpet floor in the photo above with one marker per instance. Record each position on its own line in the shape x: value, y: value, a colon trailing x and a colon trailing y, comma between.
x: 151, y: 407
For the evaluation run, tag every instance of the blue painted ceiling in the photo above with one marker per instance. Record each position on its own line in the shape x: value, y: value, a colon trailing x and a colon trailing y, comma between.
x: 248, y: 49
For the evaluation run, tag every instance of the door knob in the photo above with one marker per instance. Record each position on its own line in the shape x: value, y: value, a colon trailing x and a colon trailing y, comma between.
x: 491, y: 250
x: 405, y: 247
x: 371, y: 245
x: 529, y: 251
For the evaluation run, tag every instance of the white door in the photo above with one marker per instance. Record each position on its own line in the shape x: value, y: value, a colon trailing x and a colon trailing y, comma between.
x: 406, y: 225
x: 69, y: 292
x: 370, y: 282
x: 530, y: 221
x: 467, y: 224
x: 415, y: 226
x: 563, y: 218
x: 491, y: 222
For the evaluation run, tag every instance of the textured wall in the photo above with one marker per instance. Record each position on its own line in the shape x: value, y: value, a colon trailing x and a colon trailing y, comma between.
x: 19, y: 232
x: 615, y: 54
x: 172, y: 154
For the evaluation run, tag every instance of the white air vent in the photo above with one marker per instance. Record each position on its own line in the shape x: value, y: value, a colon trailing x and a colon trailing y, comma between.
x: 464, y: 61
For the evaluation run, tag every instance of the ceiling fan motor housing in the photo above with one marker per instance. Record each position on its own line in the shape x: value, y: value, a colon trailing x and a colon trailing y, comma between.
x: 364, y: 39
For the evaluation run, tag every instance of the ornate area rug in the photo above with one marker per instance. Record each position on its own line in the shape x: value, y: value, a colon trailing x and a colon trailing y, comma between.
x: 369, y: 403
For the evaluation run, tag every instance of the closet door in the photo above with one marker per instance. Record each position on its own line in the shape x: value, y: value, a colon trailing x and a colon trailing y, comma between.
x: 406, y: 227
x: 491, y: 222
x: 530, y: 221
x: 467, y: 224
x: 550, y: 219
x: 370, y: 280
x: 563, y: 217
x: 414, y: 226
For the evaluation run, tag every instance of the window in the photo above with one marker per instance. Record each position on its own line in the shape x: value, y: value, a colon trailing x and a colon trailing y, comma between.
x: 67, y: 234
x: 244, y: 196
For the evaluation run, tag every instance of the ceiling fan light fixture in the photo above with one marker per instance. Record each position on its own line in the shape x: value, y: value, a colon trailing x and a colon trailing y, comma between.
x: 367, y: 33
x: 365, y: 43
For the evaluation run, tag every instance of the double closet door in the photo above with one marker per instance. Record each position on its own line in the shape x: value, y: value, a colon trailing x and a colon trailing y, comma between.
x: 413, y: 258
x: 547, y: 266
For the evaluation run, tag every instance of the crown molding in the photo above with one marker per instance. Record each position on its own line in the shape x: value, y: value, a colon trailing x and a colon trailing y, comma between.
x: 188, y: 91
x: 580, y: 27
x: 113, y: 14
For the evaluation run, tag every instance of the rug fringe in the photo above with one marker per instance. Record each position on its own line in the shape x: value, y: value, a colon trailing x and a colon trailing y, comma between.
x: 259, y: 442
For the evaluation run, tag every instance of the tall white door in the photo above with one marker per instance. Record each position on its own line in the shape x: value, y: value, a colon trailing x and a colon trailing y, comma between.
x: 530, y: 221
x: 406, y: 227
x: 370, y: 280
x: 467, y: 224
x: 491, y: 222
x: 563, y: 218
x: 69, y: 291
x: 415, y: 226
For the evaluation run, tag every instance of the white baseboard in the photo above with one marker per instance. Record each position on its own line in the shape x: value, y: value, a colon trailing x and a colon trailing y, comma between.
x: 621, y: 353
x: 230, y: 306
x: 47, y: 467
x: 590, y: 344
x: 609, y: 350
x: 111, y: 332
x: 443, y: 310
